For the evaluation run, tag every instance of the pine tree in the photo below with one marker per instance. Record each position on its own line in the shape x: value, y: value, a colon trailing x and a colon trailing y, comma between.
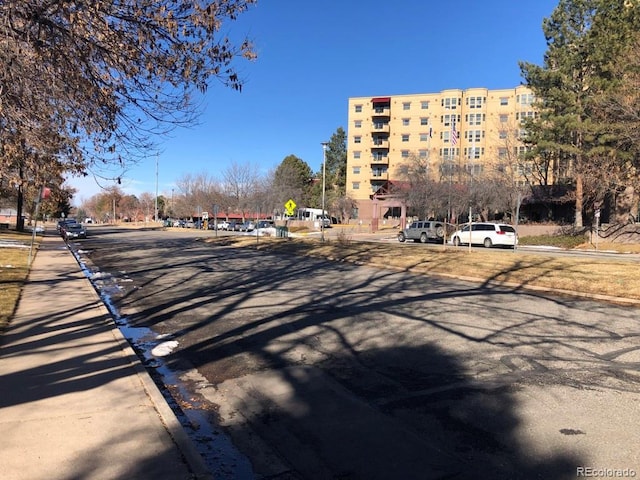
x: 584, y: 39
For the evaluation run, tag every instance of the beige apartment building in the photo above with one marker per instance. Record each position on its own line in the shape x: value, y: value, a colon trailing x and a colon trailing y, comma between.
x: 386, y: 132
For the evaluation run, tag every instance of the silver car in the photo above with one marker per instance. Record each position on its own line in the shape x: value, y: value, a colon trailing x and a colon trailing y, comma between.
x: 423, y: 231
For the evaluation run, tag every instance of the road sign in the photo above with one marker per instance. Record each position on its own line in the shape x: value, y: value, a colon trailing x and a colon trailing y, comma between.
x: 205, y: 215
x: 290, y: 206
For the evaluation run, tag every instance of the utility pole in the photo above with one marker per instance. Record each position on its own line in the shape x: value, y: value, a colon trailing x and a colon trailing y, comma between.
x: 156, y: 203
x: 324, y: 176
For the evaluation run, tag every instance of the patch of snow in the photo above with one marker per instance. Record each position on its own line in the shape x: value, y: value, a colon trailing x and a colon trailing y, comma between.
x: 11, y: 244
x: 164, y: 349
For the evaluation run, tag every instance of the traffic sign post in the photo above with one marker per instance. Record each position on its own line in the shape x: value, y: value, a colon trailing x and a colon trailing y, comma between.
x: 289, y: 207
x: 597, y: 215
x: 215, y: 218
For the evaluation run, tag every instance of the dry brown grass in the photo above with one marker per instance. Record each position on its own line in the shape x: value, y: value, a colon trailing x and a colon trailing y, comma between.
x: 579, y: 275
x: 13, y: 272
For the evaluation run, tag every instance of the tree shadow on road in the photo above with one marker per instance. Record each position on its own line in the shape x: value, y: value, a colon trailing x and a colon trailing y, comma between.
x: 386, y: 375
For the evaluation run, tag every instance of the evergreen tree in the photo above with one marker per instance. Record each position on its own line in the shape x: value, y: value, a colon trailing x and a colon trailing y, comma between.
x: 292, y: 180
x: 584, y: 38
x: 336, y: 157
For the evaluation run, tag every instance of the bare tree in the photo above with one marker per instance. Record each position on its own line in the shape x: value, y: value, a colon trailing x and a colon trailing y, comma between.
x: 147, y: 204
x: 240, y: 182
x: 85, y: 86
x: 424, y: 195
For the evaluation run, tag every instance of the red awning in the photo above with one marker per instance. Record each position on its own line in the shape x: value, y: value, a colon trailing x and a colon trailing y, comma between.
x: 381, y: 100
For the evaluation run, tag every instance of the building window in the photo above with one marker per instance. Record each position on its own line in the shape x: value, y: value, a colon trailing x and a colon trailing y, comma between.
x: 422, y: 153
x: 406, y: 105
x: 502, y: 134
x: 404, y: 153
x: 378, y: 172
x: 525, y: 99
x: 521, y: 150
x: 405, y: 122
x: 424, y: 105
x: 473, y: 152
x: 355, y: 185
x: 356, y: 154
x: 502, y: 153
x: 357, y: 123
x: 449, y: 153
x: 450, y: 103
x: 405, y: 137
x: 475, y: 118
x: 504, y: 101
x: 504, y: 118
x: 474, y: 168
x: 475, y: 102
x: 424, y: 137
x: 424, y: 120
x: 446, y: 119
x: 522, y: 116
x: 356, y: 170
x: 357, y: 139
x: 446, y: 136
x: 474, y: 135
x: 358, y: 108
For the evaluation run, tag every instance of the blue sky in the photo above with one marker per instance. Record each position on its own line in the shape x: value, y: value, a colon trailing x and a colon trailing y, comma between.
x: 314, y: 55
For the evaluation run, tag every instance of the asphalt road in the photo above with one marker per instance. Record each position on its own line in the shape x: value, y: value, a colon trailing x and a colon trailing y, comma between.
x: 324, y: 370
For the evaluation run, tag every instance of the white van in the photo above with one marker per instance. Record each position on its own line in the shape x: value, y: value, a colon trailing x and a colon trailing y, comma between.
x: 487, y: 234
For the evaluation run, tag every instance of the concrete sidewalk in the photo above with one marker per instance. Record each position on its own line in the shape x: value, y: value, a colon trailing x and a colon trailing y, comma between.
x: 75, y: 401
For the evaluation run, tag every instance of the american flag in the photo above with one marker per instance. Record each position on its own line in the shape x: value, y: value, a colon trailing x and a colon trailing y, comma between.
x: 454, y: 133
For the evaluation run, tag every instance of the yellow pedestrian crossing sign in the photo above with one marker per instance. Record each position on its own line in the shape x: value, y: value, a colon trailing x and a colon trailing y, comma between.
x: 289, y: 207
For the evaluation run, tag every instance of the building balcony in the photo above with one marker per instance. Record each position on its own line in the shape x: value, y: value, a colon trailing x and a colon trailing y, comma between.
x: 380, y: 144
x: 380, y: 128
x: 381, y: 112
x: 379, y: 160
x: 379, y: 175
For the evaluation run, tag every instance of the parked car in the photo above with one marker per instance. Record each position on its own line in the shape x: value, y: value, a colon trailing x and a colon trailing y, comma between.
x: 74, y: 230
x: 265, y: 224
x: 487, y: 234
x: 423, y: 231
x: 39, y: 229
x: 224, y: 225
x: 63, y: 223
x: 247, y: 226
x: 326, y: 221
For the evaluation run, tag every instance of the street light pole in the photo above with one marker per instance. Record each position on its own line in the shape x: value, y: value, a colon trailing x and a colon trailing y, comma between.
x: 324, y: 170
x: 156, y: 202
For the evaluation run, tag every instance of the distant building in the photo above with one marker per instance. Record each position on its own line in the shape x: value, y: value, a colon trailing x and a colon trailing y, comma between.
x: 466, y: 129
x: 8, y: 215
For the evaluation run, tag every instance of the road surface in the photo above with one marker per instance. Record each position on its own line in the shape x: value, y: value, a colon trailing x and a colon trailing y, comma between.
x: 324, y: 370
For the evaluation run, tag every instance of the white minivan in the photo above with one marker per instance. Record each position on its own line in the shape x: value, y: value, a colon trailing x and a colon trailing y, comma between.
x: 487, y: 234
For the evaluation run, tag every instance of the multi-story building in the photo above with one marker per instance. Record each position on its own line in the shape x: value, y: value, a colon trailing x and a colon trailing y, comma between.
x: 463, y: 129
